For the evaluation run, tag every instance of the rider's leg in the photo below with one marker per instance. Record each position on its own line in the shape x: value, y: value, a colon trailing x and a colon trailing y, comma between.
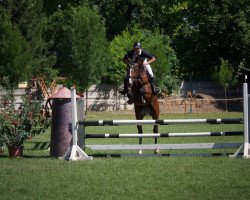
x: 155, y: 90
x: 130, y: 97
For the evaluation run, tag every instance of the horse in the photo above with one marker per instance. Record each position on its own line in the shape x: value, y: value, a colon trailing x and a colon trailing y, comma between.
x: 145, y: 103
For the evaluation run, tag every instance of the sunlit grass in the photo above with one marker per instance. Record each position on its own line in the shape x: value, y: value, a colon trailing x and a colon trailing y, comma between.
x: 37, y: 176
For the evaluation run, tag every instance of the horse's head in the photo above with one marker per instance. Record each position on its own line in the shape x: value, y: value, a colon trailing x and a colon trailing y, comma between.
x: 136, y: 67
x: 139, y: 82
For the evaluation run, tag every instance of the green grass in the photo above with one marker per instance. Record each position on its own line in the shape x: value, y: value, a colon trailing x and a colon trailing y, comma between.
x: 37, y: 176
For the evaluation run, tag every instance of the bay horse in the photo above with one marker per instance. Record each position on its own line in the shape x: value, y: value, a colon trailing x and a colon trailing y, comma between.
x: 145, y: 103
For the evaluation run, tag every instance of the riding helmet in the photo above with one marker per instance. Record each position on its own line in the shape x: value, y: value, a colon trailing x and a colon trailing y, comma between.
x: 137, y: 45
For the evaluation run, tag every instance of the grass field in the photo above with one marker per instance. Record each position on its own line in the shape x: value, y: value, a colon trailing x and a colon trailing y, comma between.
x: 37, y: 176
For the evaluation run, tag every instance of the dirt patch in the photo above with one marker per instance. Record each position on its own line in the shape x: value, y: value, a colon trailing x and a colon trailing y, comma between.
x: 201, y: 104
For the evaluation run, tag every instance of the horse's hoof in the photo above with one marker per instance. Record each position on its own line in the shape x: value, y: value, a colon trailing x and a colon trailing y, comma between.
x: 140, y: 151
x: 157, y: 151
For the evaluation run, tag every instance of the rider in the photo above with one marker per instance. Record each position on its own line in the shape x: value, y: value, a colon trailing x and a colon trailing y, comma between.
x: 147, y: 58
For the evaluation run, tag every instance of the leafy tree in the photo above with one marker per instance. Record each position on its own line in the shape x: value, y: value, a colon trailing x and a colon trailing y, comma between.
x: 117, y: 14
x: 201, y: 31
x: 120, y: 45
x: 28, y: 17
x: 155, y: 42
x: 53, y: 6
x: 78, y: 36
x: 215, y: 29
x: 149, y: 14
x: 15, y: 56
x: 224, y: 76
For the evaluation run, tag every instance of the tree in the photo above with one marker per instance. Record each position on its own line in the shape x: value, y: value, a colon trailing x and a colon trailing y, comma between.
x: 149, y: 14
x: 201, y: 32
x: 28, y: 17
x: 224, y: 76
x: 53, y: 6
x: 78, y: 36
x: 117, y: 14
x: 15, y: 56
x: 155, y: 42
x: 215, y: 29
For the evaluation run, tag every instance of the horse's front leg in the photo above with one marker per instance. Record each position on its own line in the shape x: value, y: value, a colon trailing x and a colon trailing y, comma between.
x: 155, y: 116
x: 157, y: 151
x: 139, y: 128
x: 139, y: 116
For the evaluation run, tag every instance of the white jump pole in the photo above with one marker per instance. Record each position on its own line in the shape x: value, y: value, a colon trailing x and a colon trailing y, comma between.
x: 75, y: 152
x: 245, y: 147
x: 246, y: 121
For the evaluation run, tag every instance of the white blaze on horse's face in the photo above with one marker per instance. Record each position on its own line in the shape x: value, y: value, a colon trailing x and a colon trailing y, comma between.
x: 134, y: 69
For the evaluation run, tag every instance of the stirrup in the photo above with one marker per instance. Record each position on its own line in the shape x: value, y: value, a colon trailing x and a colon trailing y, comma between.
x: 156, y: 91
x: 130, y: 101
x: 123, y: 92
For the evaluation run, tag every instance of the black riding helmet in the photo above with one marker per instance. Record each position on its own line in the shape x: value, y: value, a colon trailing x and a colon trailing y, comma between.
x: 137, y: 45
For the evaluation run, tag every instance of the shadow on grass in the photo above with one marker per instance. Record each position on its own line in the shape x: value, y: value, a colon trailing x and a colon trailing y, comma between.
x: 36, y: 156
x: 26, y: 156
x: 37, y: 145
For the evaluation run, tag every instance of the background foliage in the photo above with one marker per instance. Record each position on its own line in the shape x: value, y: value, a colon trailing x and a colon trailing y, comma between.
x: 84, y: 37
x: 79, y: 41
x: 155, y: 42
x: 15, y: 55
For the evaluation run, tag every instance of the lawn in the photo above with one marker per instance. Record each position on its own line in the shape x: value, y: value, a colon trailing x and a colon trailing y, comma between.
x: 37, y: 176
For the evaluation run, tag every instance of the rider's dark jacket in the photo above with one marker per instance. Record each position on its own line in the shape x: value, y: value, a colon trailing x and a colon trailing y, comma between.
x: 132, y: 56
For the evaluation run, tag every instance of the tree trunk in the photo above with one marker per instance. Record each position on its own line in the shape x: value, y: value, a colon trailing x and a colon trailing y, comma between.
x: 225, y: 92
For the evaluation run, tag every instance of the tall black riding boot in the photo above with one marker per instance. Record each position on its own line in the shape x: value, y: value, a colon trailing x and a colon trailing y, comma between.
x: 155, y: 90
x: 125, y: 89
x: 130, y: 98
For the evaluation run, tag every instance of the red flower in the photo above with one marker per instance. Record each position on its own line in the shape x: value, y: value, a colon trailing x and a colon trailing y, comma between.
x: 14, y: 122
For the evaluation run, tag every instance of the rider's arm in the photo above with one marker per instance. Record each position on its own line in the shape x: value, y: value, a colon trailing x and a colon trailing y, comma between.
x: 127, y: 57
x: 150, y: 58
x: 125, y: 60
x: 149, y: 61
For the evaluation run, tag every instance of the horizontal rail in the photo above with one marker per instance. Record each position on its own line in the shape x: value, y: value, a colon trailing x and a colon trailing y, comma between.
x: 163, y: 135
x: 164, y: 146
x: 115, y: 155
x: 160, y: 122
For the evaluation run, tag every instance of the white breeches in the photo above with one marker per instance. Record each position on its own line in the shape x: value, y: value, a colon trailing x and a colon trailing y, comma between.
x: 149, y: 69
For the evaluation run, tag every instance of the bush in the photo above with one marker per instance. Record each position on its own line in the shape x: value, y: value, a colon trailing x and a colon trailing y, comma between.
x: 156, y: 43
x: 19, y: 124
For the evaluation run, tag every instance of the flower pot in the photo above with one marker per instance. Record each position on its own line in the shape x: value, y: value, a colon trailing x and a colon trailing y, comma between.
x: 15, y: 151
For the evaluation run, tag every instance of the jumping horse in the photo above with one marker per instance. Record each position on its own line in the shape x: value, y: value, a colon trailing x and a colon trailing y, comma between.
x: 145, y: 103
